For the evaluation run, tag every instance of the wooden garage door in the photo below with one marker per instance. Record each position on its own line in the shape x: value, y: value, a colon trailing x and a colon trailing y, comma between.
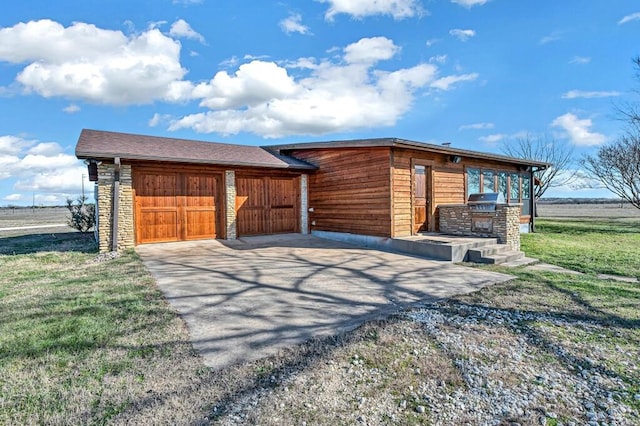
x: 172, y: 206
x: 267, y: 205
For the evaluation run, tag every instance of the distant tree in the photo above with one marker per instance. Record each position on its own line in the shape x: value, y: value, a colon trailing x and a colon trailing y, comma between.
x: 617, y: 165
x: 82, y: 215
x: 548, y: 150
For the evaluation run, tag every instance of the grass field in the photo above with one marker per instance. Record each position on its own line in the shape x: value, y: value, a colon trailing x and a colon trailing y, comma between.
x: 86, y: 342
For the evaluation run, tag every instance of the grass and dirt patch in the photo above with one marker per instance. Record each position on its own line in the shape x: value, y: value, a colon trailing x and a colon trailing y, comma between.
x: 95, y: 343
x: 594, y: 245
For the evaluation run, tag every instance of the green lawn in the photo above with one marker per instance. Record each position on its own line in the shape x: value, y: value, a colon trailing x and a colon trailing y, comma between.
x: 78, y: 338
x: 595, y: 246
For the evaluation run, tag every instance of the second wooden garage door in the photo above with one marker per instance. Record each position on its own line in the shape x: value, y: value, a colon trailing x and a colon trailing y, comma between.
x: 172, y: 206
x: 267, y: 205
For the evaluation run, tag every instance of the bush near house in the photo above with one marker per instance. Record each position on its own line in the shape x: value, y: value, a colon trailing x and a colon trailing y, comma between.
x: 82, y: 216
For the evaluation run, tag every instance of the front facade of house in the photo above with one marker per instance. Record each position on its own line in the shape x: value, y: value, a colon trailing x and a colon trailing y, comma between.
x: 174, y: 190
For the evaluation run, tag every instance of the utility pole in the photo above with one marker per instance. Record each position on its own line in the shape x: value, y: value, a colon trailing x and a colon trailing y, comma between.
x: 83, y: 187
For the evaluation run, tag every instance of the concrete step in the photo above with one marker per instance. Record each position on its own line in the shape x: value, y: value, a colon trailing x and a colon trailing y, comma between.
x: 477, y: 253
x: 508, y: 256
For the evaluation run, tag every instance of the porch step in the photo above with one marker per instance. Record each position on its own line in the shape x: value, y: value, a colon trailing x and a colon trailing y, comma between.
x: 494, y: 254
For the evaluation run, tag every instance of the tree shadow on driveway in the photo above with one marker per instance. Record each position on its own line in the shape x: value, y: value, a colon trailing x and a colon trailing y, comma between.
x: 245, y: 300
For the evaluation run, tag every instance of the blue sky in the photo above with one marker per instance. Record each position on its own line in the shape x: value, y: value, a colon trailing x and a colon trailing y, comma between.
x: 476, y: 73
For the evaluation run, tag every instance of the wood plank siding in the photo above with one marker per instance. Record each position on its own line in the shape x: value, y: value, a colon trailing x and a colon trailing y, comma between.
x: 445, y: 184
x: 351, y: 191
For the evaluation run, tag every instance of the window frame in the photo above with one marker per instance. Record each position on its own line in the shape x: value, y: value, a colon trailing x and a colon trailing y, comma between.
x: 509, y: 174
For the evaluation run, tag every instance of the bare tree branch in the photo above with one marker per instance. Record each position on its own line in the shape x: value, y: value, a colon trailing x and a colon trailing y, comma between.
x: 548, y: 150
x: 617, y: 166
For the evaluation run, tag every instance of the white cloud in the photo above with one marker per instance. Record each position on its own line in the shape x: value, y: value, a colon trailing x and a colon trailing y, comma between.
x: 445, y: 83
x: 462, y: 35
x: 469, y: 3
x: 40, y: 167
x: 13, y: 197
x: 229, y: 62
x: 96, y: 65
x: 13, y: 145
x: 574, y: 94
x: 629, y: 18
x: 440, y: 59
x: 492, y: 139
x: 579, y: 130
x: 293, y: 24
x: 554, y: 36
x: 344, y: 93
x: 182, y: 29
x: 45, y: 149
x: 158, y: 119
x: 432, y: 41
x: 476, y: 126
x: 580, y: 60
x: 71, y: 109
x: 398, y: 9
x: 254, y: 83
x: 370, y: 50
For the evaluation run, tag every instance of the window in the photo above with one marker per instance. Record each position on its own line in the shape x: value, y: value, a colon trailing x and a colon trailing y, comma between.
x: 526, y: 195
x: 514, y: 188
x: 502, y: 185
x: 420, y: 190
x: 473, y: 181
x: 488, y: 184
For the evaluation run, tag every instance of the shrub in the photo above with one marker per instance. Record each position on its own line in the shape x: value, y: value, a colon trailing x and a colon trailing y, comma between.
x: 82, y: 215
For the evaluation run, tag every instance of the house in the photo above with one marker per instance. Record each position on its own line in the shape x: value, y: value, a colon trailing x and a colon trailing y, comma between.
x: 166, y: 189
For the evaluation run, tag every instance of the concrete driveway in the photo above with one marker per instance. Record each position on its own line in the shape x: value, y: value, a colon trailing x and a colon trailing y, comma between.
x: 247, y: 299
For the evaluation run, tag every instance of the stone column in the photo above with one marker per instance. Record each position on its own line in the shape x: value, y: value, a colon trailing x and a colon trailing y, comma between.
x: 104, y: 204
x: 230, y: 204
x: 126, y: 226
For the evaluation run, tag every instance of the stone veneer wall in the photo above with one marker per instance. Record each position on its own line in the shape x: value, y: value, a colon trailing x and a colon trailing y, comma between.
x: 456, y: 220
x: 230, y: 204
x: 126, y: 237
x: 304, y: 204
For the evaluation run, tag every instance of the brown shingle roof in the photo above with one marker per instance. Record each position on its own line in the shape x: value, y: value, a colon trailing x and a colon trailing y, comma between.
x: 102, y: 145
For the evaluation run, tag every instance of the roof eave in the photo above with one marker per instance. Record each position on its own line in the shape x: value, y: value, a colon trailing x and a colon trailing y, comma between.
x: 110, y: 156
x: 468, y: 153
x: 403, y: 143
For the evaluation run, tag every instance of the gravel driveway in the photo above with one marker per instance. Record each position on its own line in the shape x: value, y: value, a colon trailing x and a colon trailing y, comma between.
x: 247, y: 299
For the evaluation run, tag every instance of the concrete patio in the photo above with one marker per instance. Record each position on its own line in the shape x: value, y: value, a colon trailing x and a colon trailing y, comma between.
x: 249, y: 298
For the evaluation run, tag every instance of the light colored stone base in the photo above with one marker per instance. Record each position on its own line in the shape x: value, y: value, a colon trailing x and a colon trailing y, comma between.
x: 105, y: 184
x: 457, y: 220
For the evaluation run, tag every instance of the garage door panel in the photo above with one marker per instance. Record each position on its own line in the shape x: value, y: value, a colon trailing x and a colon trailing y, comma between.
x: 158, y: 225
x: 282, y: 192
x: 156, y: 190
x: 200, y: 224
x: 266, y: 205
x: 283, y: 220
x: 175, y: 206
x: 200, y: 190
x: 250, y: 214
x: 200, y: 206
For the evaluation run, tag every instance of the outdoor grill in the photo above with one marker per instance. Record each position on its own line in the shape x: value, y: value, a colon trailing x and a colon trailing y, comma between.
x: 485, y: 202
